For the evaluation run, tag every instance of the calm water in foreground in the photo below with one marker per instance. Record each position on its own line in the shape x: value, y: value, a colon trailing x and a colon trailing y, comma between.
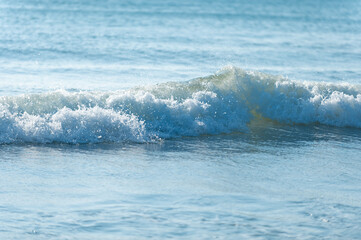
x: 289, y: 182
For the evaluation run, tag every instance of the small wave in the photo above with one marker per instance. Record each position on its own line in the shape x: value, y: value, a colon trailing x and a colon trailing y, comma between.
x: 221, y: 103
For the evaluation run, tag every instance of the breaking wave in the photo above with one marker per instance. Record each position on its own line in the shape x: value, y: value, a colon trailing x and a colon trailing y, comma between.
x: 222, y: 103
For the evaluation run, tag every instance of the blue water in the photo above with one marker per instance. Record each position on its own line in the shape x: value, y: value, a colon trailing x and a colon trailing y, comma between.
x: 186, y: 120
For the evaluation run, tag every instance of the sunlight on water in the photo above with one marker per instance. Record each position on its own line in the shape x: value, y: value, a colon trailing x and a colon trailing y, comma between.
x: 275, y: 181
x: 180, y: 119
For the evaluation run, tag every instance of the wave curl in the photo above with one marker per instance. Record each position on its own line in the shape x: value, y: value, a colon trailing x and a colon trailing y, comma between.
x: 221, y: 103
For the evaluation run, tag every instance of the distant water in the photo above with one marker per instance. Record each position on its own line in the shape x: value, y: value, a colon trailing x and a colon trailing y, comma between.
x: 186, y: 120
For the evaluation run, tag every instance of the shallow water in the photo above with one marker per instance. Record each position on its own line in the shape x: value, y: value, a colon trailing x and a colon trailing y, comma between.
x: 186, y: 120
x: 279, y: 182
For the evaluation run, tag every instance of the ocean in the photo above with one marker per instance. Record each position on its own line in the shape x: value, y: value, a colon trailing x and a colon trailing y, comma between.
x: 180, y: 119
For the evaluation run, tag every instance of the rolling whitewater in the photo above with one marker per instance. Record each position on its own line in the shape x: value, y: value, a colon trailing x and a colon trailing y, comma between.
x: 180, y: 119
x: 219, y: 104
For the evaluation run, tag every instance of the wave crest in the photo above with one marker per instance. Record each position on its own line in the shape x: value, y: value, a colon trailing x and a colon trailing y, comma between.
x: 221, y: 103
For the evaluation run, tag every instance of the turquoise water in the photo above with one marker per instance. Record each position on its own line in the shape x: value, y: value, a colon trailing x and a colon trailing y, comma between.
x: 186, y: 120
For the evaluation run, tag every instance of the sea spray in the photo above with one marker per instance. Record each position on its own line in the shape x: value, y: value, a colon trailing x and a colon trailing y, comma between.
x: 221, y: 103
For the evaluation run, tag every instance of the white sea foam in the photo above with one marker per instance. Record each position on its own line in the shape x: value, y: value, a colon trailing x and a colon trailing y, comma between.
x: 222, y: 103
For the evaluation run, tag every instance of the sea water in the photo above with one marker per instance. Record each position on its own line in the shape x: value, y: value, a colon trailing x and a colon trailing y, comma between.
x: 180, y: 119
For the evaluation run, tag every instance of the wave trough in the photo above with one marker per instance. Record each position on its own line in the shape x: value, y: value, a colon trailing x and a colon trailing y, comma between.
x: 222, y: 103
